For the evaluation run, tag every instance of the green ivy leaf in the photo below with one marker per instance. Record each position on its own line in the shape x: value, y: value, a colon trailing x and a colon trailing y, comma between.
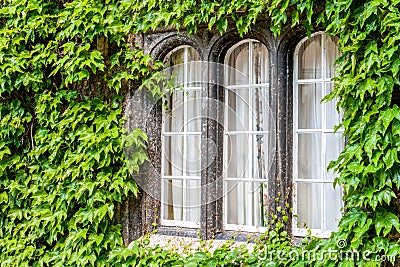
x: 386, y: 221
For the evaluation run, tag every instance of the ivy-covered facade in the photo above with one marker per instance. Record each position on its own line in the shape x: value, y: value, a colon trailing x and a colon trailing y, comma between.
x: 66, y: 68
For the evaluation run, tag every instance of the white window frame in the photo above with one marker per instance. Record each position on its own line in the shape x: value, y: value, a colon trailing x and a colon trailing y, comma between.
x: 184, y: 178
x: 248, y: 177
x: 299, y: 231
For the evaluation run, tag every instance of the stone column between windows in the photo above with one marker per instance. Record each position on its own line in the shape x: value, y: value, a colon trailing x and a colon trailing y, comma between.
x: 212, y: 149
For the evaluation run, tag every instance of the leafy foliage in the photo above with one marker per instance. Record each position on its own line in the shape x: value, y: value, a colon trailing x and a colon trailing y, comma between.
x: 367, y: 84
x: 62, y: 166
x: 65, y: 66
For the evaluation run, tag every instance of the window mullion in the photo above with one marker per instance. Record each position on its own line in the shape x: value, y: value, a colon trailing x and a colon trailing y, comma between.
x: 162, y: 193
x: 249, y: 204
x: 295, y: 138
x: 323, y: 148
x: 184, y: 157
x: 225, y: 148
x: 323, y: 137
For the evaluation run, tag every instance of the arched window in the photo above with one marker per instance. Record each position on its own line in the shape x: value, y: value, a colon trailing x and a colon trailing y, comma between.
x: 246, y: 135
x: 317, y: 203
x: 181, y: 133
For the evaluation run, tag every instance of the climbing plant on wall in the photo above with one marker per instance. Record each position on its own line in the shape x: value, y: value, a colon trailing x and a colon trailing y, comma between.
x: 65, y: 68
x: 62, y: 169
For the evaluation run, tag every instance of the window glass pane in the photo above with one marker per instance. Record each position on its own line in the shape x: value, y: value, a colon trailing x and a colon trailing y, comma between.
x: 175, y: 57
x: 309, y: 205
x: 333, y: 118
x: 177, y: 73
x: 174, y: 63
x: 193, y: 200
x: 193, y: 114
x: 231, y: 202
x: 193, y: 155
x: 173, y: 155
x: 332, y: 54
x: 173, y: 199
x: 194, y: 71
x: 334, y: 145
x: 309, y: 106
x: 173, y: 115
x: 237, y: 114
x: 246, y: 203
x: 238, y: 163
x: 310, y: 59
x: 260, y: 156
x: 333, y: 204
x: 238, y: 62
x: 309, y: 156
x: 193, y: 55
x: 260, y: 108
x: 260, y: 63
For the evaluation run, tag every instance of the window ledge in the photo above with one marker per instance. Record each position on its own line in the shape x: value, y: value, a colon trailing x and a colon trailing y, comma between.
x: 186, y: 245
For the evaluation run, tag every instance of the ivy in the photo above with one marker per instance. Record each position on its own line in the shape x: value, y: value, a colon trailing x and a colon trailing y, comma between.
x: 62, y: 167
